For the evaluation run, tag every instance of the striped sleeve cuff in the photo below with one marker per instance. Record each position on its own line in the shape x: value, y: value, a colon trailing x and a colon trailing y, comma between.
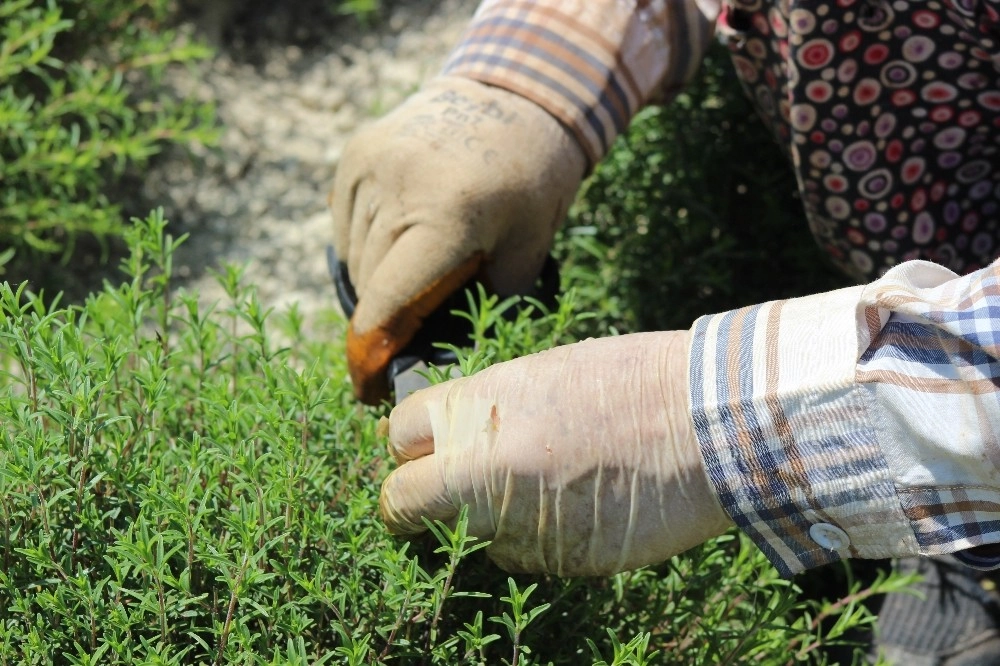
x: 786, y: 434
x: 591, y: 64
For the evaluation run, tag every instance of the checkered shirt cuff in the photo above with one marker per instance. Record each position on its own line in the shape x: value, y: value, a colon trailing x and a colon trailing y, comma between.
x: 934, y: 370
x: 858, y: 423
x: 786, y: 434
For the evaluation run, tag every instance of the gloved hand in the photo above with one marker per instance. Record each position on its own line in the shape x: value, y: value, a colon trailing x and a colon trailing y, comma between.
x: 461, y: 180
x: 580, y: 460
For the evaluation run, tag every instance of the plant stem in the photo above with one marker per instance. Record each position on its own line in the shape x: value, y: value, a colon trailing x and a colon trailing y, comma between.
x: 227, y: 627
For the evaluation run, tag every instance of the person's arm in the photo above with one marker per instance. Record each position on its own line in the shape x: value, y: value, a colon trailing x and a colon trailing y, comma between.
x: 856, y: 423
x: 473, y: 175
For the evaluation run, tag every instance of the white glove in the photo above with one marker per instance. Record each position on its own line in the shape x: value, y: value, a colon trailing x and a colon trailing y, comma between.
x: 580, y: 460
x: 461, y: 180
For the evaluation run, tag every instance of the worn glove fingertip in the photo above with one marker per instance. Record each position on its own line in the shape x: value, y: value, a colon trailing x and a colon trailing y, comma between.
x: 368, y: 356
x: 382, y: 428
x: 414, y: 491
x: 395, y: 521
x: 394, y: 307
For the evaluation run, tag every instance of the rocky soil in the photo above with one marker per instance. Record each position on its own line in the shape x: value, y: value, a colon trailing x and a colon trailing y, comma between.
x: 291, y: 83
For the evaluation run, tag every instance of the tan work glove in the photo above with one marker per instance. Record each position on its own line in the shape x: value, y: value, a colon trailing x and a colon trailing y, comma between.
x: 580, y: 460
x: 461, y: 180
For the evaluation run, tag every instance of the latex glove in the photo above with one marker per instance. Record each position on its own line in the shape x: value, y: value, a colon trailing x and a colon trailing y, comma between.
x: 462, y: 180
x: 580, y: 460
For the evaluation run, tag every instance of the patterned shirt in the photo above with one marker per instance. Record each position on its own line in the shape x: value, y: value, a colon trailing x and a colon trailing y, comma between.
x: 859, y: 423
x: 888, y: 110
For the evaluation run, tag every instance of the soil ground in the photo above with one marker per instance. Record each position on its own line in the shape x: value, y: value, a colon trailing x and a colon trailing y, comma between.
x: 292, y: 82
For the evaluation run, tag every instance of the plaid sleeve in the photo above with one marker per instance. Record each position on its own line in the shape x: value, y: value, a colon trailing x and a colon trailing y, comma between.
x: 858, y: 423
x: 590, y: 63
x: 934, y: 370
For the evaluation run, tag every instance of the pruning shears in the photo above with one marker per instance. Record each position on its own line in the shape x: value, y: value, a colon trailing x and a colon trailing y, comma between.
x: 407, y: 372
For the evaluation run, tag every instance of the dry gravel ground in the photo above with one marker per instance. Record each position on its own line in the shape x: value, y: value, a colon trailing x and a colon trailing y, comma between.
x: 291, y: 85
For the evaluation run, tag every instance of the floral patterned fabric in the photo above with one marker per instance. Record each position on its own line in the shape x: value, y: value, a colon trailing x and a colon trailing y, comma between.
x: 890, y: 112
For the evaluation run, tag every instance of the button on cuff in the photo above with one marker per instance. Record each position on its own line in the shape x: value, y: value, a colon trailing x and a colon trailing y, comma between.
x: 829, y: 536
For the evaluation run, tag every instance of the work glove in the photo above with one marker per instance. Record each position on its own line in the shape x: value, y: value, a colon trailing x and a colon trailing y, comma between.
x: 580, y: 460
x: 462, y: 180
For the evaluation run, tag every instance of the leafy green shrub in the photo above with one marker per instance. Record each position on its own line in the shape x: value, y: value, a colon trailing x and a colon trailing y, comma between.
x: 182, y: 484
x: 79, y: 104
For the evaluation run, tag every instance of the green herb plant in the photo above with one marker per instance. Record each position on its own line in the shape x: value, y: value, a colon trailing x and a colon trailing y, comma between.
x: 81, y: 104
x: 183, y: 483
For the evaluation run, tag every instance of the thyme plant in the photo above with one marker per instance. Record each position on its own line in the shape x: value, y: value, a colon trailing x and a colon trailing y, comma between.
x: 182, y: 483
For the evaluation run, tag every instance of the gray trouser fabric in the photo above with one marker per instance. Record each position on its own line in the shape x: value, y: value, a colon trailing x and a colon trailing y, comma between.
x: 956, y: 623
